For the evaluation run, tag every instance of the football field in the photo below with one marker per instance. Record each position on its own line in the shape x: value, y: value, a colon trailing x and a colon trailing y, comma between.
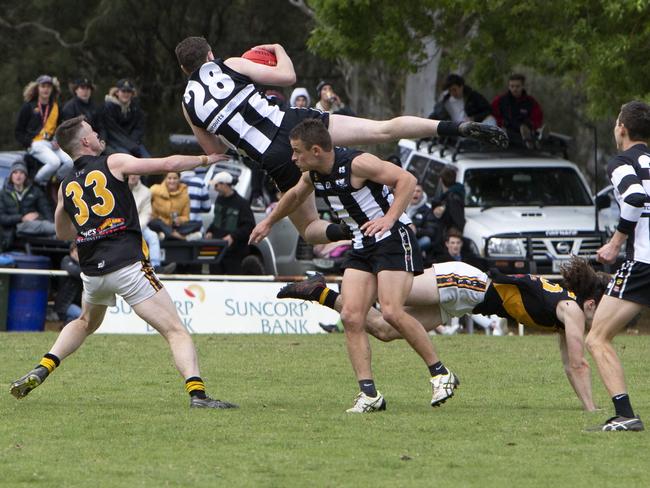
x: 115, y: 414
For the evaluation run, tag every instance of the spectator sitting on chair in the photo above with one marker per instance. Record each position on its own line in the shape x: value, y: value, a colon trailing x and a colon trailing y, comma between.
x: 37, y: 120
x: 142, y: 197
x: 68, y: 297
x: 170, y: 204
x: 329, y: 101
x: 24, y: 208
x: 518, y: 113
x: 233, y: 222
x: 300, y: 98
x: 123, y: 121
x: 460, y: 103
x: 82, y: 104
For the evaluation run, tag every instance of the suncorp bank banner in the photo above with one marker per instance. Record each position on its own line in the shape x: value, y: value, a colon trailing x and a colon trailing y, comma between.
x: 229, y: 308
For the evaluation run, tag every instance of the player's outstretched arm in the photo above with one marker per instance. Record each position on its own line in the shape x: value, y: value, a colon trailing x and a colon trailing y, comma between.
x: 122, y: 164
x: 572, y: 348
x: 289, y: 202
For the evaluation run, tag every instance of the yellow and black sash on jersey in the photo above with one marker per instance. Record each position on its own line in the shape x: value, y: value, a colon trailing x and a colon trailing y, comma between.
x: 529, y: 300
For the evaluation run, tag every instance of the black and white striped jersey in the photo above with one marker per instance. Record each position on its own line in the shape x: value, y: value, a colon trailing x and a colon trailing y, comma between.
x: 227, y: 103
x: 354, y: 206
x: 630, y: 175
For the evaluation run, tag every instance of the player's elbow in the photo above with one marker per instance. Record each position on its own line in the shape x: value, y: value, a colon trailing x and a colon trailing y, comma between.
x: 291, y: 78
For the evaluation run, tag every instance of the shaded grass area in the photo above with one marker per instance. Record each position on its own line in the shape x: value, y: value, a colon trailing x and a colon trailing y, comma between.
x: 115, y: 414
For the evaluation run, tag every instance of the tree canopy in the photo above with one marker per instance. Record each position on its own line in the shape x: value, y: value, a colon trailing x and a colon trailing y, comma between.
x: 598, y: 48
x: 106, y: 40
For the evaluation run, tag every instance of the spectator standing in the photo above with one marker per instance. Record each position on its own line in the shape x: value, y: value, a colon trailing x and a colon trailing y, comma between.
x: 300, y: 98
x: 449, y: 207
x: 37, y: 120
x: 517, y: 112
x: 170, y: 204
x: 68, y: 298
x: 24, y: 208
x: 460, y: 103
x: 142, y: 197
x: 123, y: 121
x: 233, y: 222
x: 82, y: 104
x: 329, y: 101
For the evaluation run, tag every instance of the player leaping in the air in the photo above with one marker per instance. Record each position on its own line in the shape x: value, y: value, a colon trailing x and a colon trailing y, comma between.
x: 225, y: 108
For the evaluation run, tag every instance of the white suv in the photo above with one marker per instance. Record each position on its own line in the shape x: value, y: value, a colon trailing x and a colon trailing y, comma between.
x: 524, y: 211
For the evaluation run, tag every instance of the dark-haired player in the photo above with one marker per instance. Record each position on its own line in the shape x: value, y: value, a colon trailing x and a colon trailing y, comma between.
x: 454, y: 289
x: 384, y: 256
x: 96, y: 208
x: 224, y: 107
x: 629, y: 290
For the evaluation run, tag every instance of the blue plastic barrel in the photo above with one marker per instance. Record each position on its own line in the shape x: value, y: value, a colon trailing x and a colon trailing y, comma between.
x: 28, y: 295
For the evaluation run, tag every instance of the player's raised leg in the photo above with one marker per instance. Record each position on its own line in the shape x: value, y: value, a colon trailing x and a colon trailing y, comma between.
x: 68, y: 341
x: 352, y: 131
x: 159, y: 312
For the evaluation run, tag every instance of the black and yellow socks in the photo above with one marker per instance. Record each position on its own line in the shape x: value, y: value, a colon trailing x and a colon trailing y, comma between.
x: 195, y: 387
x: 49, y: 362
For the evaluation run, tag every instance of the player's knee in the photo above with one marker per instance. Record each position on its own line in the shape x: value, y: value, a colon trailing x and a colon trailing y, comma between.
x: 594, y: 341
x: 352, y: 320
x: 392, y: 314
x: 175, y: 330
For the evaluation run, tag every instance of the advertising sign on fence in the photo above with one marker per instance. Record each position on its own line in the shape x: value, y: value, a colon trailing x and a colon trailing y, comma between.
x: 229, y: 308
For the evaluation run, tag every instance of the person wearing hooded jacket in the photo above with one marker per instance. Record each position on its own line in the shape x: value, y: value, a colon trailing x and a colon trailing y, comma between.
x: 37, y: 120
x: 300, y: 98
x: 24, y: 208
x: 123, y: 121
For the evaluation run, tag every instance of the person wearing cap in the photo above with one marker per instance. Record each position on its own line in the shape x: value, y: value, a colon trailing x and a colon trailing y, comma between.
x: 82, y: 104
x: 233, y: 222
x: 460, y: 103
x: 300, y: 97
x: 123, y: 121
x: 24, y: 208
x: 329, y: 101
x: 37, y: 120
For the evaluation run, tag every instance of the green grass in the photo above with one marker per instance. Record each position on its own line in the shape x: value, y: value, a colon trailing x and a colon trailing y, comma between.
x: 115, y: 415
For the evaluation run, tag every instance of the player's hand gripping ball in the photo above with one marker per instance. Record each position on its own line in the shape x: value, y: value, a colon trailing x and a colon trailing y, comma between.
x: 260, y: 56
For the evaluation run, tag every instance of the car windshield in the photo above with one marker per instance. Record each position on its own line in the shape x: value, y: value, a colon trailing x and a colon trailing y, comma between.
x: 491, y: 187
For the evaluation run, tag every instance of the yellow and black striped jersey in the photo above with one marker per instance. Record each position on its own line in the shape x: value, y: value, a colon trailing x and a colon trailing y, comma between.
x: 530, y: 300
